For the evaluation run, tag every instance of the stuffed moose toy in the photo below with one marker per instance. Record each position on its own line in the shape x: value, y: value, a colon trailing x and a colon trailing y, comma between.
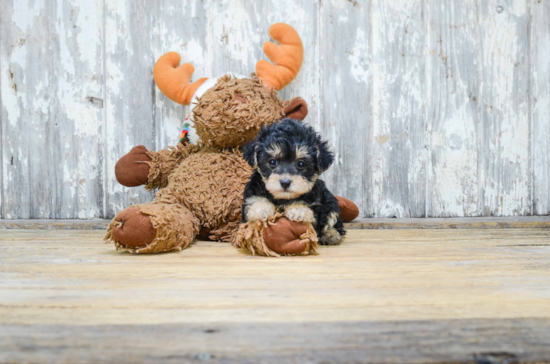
x: 201, y: 184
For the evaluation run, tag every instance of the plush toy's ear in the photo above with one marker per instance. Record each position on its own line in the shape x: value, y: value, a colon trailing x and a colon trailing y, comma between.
x: 249, y: 153
x: 324, y: 157
x: 287, y: 57
x: 174, y: 81
x: 297, y: 109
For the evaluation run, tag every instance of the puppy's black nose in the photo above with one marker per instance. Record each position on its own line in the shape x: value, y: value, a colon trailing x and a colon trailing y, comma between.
x: 285, y: 183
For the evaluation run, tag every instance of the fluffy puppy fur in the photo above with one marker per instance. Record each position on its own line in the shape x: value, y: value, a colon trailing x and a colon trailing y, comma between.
x: 288, y: 158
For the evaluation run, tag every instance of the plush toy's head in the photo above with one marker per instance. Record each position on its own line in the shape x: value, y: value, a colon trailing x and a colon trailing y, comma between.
x: 228, y: 111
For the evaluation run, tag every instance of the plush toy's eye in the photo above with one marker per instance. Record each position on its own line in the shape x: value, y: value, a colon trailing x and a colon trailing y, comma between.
x: 300, y: 164
x: 273, y: 162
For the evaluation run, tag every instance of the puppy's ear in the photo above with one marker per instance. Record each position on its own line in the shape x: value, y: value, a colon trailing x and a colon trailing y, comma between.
x: 249, y: 153
x: 324, y: 157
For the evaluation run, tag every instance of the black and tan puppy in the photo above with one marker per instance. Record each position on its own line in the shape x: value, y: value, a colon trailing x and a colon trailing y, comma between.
x: 288, y: 158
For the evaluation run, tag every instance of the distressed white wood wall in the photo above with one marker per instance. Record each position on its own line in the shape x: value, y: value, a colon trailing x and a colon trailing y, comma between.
x: 434, y: 108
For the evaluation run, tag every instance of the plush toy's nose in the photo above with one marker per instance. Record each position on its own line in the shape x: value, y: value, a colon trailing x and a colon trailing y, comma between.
x: 285, y: 183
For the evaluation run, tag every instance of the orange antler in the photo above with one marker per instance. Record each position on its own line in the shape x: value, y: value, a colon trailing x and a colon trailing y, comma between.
x: 173, y: 81
x: 287, y: 57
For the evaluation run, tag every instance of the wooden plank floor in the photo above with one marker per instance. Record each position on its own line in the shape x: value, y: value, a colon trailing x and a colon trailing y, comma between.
x: 395, y: 296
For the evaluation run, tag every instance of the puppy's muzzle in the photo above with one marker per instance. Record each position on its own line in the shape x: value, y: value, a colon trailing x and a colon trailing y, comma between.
x: 287, y: 186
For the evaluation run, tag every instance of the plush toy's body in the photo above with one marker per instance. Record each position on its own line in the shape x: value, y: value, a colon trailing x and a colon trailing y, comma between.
x: 201, y: 185
x: 203, y: 194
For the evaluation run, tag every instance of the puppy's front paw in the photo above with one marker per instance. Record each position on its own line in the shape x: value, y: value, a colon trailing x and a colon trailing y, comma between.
x: 299, y: 212
x: 259, y: 208
x: 330, y: 237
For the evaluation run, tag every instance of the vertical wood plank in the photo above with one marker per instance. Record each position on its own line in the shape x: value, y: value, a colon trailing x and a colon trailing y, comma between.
x: 452, y: 101
x: 234, y: 36
x: 345, y: 97
x: 540, y: 104
x: 2, y: 11
x: 3, y: 6
x: 399, y: 154
x: 181, y: 27
x: 77, y: 110
x: 27, y: 71
x: 130, y: 99
x: 505, y: 145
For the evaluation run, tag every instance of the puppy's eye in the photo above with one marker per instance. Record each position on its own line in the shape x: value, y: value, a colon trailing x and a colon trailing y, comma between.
x: 273, y: 163
x: 300, y: 164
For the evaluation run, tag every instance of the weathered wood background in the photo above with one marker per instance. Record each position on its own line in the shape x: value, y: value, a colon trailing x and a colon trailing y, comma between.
x: 433, y: 108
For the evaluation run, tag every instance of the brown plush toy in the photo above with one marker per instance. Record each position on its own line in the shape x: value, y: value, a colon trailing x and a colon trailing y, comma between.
x: 201, y: 184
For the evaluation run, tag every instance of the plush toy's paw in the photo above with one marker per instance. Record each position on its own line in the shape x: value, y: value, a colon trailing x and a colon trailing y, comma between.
x: 133, y: 229
x: 348, y: 210
x: 276, y: 236
x: 284, y: 236
x: 133, y: 169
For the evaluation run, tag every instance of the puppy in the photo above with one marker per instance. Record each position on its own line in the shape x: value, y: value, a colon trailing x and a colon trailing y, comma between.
x: 288, y: 157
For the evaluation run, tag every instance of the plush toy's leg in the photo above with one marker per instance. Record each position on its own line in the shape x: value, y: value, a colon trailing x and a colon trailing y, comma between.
x: 276, y: 236
x: 153, y: 228
x: 348, y: 210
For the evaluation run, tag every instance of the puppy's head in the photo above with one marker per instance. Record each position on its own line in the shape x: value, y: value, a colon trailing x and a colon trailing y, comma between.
x: 290, y: 156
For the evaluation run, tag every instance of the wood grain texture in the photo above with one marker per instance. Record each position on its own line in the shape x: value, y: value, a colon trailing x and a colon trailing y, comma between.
x: 520, y: 222
x: 399, y: 148
x: 388, y: 295
x: 29, y: 183
x: 345, y: 60
x: 400, y: 342
x: 540, y: 105
x: 433, y: 108
x: 71, y: 277
x: 454, y: 125
x: 2, y: 11
x: 505, y: 144
x: 77, y: 112
x: 52, y: 88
